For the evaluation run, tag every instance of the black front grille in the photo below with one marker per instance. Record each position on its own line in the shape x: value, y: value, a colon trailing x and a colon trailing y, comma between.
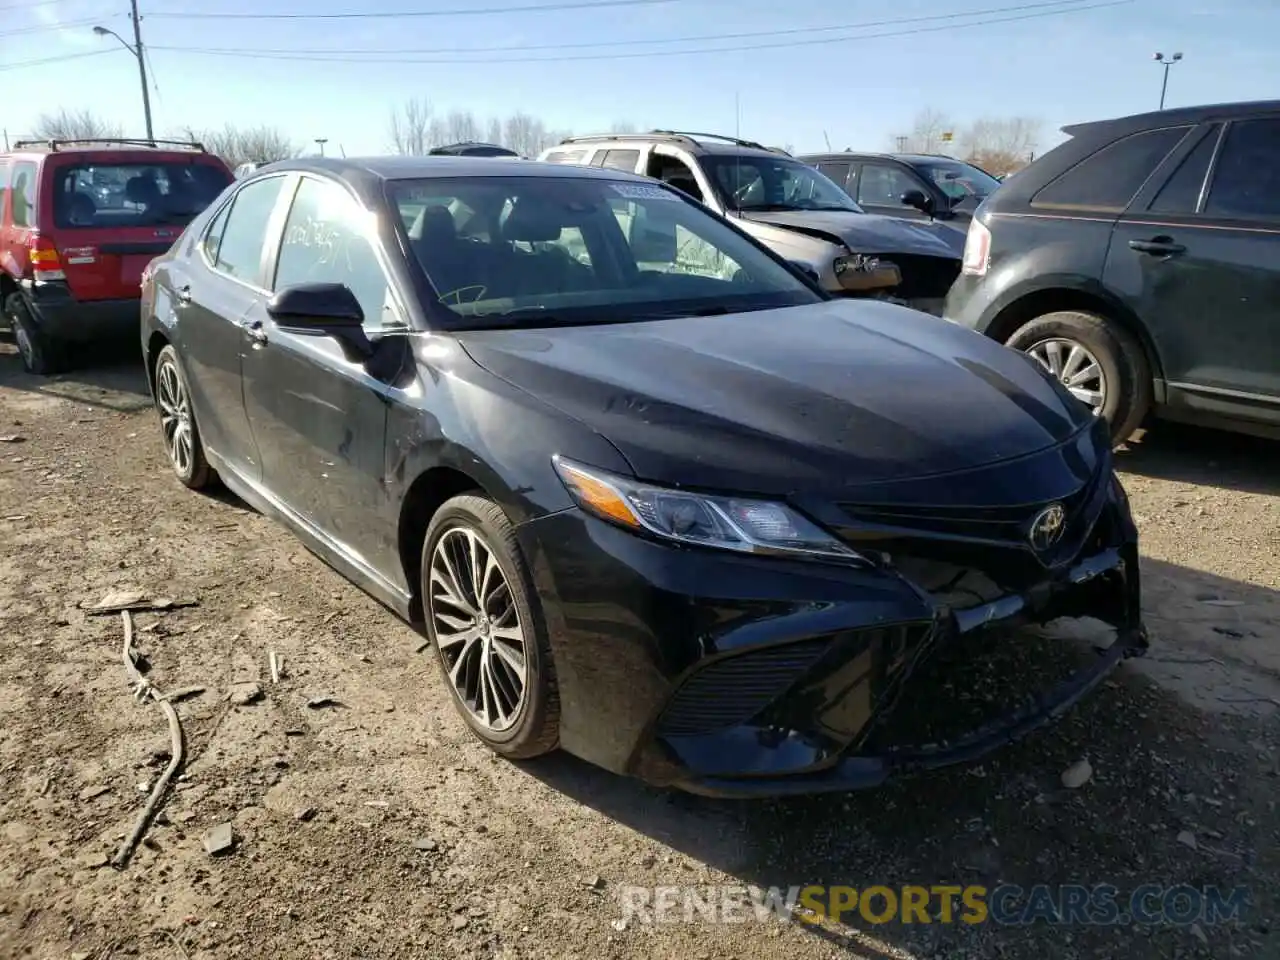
x: 991, y: 524
x: 731, y: 691
x: 923, y: 276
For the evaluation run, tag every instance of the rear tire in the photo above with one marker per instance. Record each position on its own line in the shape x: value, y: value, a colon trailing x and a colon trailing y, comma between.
x: 479, y: 604
x: 41, y: 354
x: 1123, y: 373
x: 182, y: 442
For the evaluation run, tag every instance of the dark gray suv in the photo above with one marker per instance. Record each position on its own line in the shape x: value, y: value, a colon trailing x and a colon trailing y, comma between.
x: 1139, y: 261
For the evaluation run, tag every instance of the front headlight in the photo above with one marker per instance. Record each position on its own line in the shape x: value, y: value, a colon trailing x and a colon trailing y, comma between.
x: 727, y: 523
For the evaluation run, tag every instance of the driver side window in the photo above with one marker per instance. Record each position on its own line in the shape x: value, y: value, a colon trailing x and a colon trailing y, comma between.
x: 327, y: 240
x: 884, y: 186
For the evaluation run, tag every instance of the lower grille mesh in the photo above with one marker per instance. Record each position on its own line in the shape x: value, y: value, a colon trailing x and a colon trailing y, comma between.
x: 733, y: 690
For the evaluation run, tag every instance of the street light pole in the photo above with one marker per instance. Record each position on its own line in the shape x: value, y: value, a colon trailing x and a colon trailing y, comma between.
x: 320, y: 142
x: 136, y: 49
x: 1165, y: 62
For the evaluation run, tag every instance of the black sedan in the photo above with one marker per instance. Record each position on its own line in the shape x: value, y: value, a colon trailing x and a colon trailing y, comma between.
x: 653, y: 496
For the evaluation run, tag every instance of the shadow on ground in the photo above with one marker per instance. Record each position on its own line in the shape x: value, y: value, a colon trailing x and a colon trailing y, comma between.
x: 1213, y: 458
x: 106, y: 376
x: 1161, y: 768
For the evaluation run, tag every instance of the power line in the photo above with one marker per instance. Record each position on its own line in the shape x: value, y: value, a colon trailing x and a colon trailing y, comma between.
x: 704, y: 51
x: 65, y: 25
x: 389, y: 14
x: 59, y: 59
x: 346, y: 53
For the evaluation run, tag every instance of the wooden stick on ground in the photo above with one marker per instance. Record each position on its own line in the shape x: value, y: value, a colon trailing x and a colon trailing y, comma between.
x: 176, y: 747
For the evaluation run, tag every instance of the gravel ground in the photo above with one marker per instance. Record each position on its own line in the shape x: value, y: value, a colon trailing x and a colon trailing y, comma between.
x: 379, y: 828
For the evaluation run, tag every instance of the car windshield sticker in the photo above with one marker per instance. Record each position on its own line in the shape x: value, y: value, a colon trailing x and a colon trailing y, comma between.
x: 643, y: 191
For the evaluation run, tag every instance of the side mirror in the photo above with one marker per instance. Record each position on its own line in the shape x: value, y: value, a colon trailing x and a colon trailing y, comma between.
x: 322, y: 310
x: 918, y: 199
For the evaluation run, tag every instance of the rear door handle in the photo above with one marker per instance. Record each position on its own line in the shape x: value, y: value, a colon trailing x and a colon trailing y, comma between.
x: 1157, y: 246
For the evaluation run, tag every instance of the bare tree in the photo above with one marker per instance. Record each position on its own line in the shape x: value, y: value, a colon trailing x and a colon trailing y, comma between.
x: 926, y: 135
x: 67, y: 124
x: 623, y: 126
x: 416, y: 128
x: 237, y: 145
x: 410, y: 127
x: 1001, y: 146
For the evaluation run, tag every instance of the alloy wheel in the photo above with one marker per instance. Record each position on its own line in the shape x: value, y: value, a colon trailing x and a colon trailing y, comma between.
x: 1076, y: 367
x: 477, y: 628
x: 175, y: 415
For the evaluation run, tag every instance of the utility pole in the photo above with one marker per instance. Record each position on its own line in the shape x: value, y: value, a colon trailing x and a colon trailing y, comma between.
x: 136, y: 49
x: 902, y: 144
x: 320, y: 142
x: 1165, y: 62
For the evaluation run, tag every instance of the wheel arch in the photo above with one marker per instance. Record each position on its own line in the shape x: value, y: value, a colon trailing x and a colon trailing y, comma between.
x: 155, y: 343
x: 429, y: 491
x: 1028, y: 305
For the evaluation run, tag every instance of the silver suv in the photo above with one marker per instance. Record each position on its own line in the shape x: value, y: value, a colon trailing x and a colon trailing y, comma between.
x: 790, y: 207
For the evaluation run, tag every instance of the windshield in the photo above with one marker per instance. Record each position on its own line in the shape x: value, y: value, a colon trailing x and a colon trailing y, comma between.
x: 960, y: 181
x: 755, y: 183
x: 105, y: 195
x: 538, y: 251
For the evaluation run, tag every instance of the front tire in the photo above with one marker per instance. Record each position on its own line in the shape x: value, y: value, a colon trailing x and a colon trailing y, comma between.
x: 490, y: 639
x: 182, y: 441
x: 1099, y: 361
x: 40, y: 353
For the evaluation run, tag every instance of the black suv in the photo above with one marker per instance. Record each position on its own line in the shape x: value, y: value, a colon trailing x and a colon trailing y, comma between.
x: 913, y: 185
x: 1140, y: 262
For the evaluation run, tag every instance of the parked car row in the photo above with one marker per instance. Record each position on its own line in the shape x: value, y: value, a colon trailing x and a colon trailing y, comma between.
x: 791, y: 207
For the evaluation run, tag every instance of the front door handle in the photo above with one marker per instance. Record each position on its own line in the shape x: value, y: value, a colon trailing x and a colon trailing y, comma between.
x: 183, y: 293
x: 256, y: 332
x: 1157, y: 246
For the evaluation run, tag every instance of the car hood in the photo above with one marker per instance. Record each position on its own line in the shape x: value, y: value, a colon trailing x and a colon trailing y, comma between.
x: 816, y: 399
x: 868, y: 232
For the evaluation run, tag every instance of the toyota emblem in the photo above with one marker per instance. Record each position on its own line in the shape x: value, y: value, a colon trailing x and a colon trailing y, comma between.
x: 1048, y: 526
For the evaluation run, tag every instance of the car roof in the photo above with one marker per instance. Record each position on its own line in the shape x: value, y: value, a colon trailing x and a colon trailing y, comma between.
x: 106, y: 147
x: 1158, y: 118
x: 367, y: 175
x: 902, y: 157
x: 702, y: 143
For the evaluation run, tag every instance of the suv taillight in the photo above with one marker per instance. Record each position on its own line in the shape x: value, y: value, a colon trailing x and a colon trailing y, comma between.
x: 977, y: 249
x: 45, y: 263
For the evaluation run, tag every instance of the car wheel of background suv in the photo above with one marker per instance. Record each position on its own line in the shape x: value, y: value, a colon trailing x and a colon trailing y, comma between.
x: 478, y: 602
x: 182, y: 441
x: 40, y: 354
x: 1099, y: 361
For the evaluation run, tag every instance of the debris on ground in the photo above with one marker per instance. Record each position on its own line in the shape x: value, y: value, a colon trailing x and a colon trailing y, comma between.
x: 119, y: 600
x: 319, y: 703
x: 1077, y: 775
x: 218, y: 840
x: 245, y: 693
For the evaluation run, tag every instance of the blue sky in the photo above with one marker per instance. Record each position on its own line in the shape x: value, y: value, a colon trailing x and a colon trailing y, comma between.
x: 1077, y: 66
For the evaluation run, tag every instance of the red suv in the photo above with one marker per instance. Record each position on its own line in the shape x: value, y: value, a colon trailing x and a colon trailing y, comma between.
x: 79, y: 221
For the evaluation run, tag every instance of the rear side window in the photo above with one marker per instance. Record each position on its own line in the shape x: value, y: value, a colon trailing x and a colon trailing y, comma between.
x: 106, y: 195
x: 837, y: 172
x: 621, y: 160
x: 1246, y: 180
x: 240, y: 249
x: 23, y: 203
x: 1109, y: 179
x: 1181, y: 194
x: 566, y: 156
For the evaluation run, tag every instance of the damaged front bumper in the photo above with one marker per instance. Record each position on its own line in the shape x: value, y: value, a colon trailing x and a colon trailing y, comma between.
x: 1059, y: 597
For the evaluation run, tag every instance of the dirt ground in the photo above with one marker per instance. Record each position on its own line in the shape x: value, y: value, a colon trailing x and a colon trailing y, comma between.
x: 379, y: 828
